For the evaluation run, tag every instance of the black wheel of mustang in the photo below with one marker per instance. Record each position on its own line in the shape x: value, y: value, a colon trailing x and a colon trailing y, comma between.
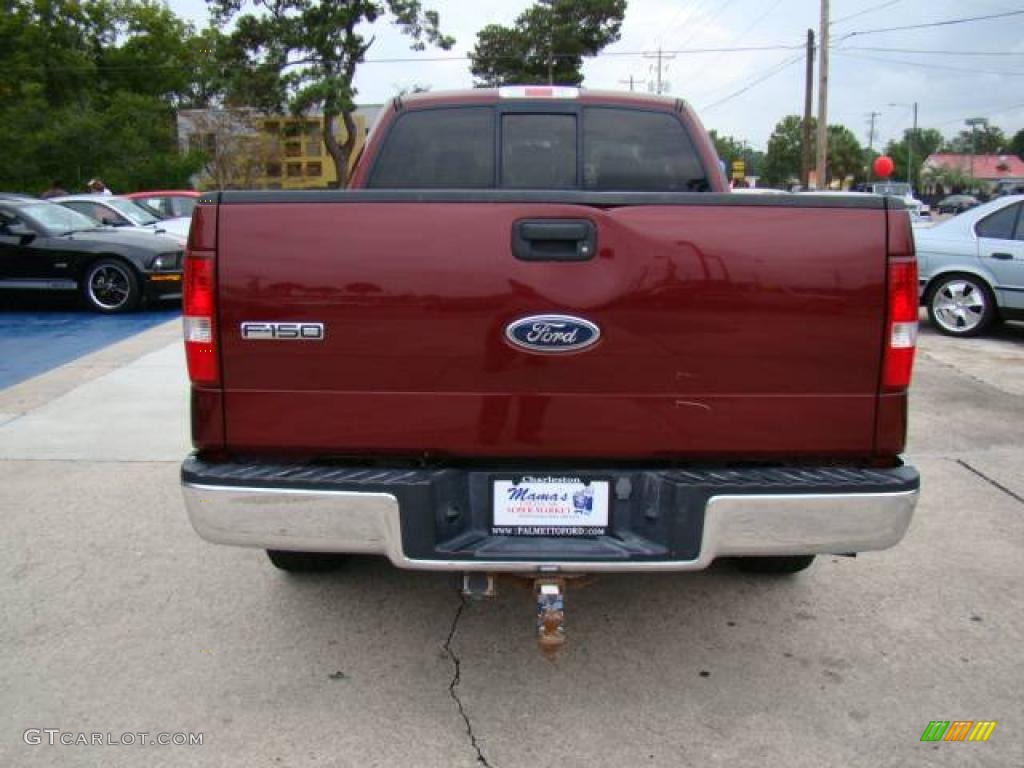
x: 788, y: 564
x: 306, y: 562
x: 111, y: 286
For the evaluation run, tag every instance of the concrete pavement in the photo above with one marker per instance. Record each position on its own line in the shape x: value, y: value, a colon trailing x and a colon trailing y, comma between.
x: 117, y: 618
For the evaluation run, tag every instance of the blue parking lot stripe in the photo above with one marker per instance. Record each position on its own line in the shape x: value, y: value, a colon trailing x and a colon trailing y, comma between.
x: 32, y: 343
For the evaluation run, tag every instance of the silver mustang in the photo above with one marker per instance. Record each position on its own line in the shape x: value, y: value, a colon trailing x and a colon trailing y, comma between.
x: 972, y: 267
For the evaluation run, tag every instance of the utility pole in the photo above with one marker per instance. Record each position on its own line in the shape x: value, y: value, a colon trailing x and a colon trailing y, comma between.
x: 973, y: 123
x: 551, y: 41
x: 910, y: 142
x: 872, y: 116
x: 871, y: 139
x: 631, y: 82
x: 805, y: 135
x: 660, y: 86
x: 822, y: 165
x: 551, y: 59
x: 910, y: 151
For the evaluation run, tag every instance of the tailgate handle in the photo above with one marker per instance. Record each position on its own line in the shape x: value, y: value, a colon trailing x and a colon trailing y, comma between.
x: 554, y: 239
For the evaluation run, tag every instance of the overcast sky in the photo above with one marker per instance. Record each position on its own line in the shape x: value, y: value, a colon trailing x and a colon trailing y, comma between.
x: 947, y: 87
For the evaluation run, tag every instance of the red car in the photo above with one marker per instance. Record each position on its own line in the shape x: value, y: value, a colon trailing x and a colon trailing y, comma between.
x: 170, y: 203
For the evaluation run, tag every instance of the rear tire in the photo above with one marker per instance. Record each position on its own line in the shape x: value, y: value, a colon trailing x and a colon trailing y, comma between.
x: 306, y: 562
x: 961, y: 305
x: 775, y: 565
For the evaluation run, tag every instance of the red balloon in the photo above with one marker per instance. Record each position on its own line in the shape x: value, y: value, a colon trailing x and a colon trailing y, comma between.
x: 884, y: 166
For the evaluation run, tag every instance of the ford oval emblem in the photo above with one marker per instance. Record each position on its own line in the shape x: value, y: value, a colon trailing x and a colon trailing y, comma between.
x: 552, y: 333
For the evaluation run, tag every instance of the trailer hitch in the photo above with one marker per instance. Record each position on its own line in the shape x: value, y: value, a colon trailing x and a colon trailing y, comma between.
x: 549, y: 594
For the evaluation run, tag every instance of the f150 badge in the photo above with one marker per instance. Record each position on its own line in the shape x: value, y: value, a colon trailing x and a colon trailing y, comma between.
x: 552, y: 333
x: 282, y: 331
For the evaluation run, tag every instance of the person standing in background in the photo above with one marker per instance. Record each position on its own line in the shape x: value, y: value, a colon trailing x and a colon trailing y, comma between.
x: 56, y: 190
x: 97, y: 187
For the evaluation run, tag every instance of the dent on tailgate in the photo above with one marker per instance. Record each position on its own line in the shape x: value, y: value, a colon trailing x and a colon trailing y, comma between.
x: 725, y: 331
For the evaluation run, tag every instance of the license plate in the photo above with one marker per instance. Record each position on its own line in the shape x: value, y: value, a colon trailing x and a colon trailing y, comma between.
x: 550, y: 506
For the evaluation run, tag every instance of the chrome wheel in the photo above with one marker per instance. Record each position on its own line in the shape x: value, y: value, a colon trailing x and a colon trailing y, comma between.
x: 111, y: 286
x: 960, y: 306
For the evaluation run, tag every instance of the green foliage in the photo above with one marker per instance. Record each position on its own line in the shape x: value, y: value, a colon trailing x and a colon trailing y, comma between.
x: 1016, y: 145
x: 547, y: 42
x: 845, y: 154
x: 304, y: 53
x: 952, y: 180
x: 985, y: 140
x: 846, y: 157
x: 782, y: 159
x: 730, y: 149
x: 924, y: 142
x: 89, y: 89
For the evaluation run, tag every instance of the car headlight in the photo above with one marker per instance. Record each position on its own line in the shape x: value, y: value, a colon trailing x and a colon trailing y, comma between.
x: 166, y: 262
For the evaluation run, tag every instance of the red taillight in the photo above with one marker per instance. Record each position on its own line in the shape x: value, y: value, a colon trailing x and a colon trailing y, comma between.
x: 200, y: 317
x: 901, y: 324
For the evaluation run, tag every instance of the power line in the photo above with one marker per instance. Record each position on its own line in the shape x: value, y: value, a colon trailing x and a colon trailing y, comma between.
x: 756, y: 21
x: 987, y: 110
x: 398, y: 60
x: 925, y: 65
x: 770, y: 73
x: 691, y: 14
x: 714, y: 12
x: 691, y: 18
x: 873, y: 8
x: 944, y: 23
x: 746, y: 31
x: 929, y: 51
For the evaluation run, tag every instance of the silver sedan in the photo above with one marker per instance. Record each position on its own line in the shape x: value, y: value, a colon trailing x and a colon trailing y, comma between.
x: 122, y: 212
x: 972, y: 267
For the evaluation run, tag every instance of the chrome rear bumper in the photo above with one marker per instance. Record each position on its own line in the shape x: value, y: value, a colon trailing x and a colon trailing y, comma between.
x: 759, y: 524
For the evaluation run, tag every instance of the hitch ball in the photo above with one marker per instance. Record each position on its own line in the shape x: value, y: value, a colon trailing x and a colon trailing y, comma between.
x: 550, y: 595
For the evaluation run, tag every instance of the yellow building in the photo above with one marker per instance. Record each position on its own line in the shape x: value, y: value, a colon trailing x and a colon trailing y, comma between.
x: 244, y: 149
x: 295, y: 154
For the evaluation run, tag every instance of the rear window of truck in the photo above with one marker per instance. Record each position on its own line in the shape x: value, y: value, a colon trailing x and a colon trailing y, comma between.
x: 596, y: 148
x: 439, y: 149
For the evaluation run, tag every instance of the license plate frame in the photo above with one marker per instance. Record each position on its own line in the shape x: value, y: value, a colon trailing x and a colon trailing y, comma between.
x: 563, y: 506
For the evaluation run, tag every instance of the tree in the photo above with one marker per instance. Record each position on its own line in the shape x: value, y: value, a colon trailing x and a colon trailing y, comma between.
x: 950, y: 180
x: 1017, y: 144
x: 845, y: 155
x: 88, y: 89
x: 730, y: 149
x: 547, y: 43
x: 235, y: 152
x: 305, y: 53
x: 782, y: 160
x: 926, y: 141
x: 984, y: 140
x: 160, y: 56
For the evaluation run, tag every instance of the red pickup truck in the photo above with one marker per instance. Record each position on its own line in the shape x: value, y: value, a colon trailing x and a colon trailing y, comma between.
x: 538, y: 335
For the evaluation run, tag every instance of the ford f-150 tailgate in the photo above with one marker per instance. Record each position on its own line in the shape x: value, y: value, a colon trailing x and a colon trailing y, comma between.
x: 725, y: 327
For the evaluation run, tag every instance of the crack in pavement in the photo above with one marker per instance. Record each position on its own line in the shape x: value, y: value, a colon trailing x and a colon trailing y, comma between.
x: 457, y: 678
x: 990, y: 481
x: 935, y: 358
